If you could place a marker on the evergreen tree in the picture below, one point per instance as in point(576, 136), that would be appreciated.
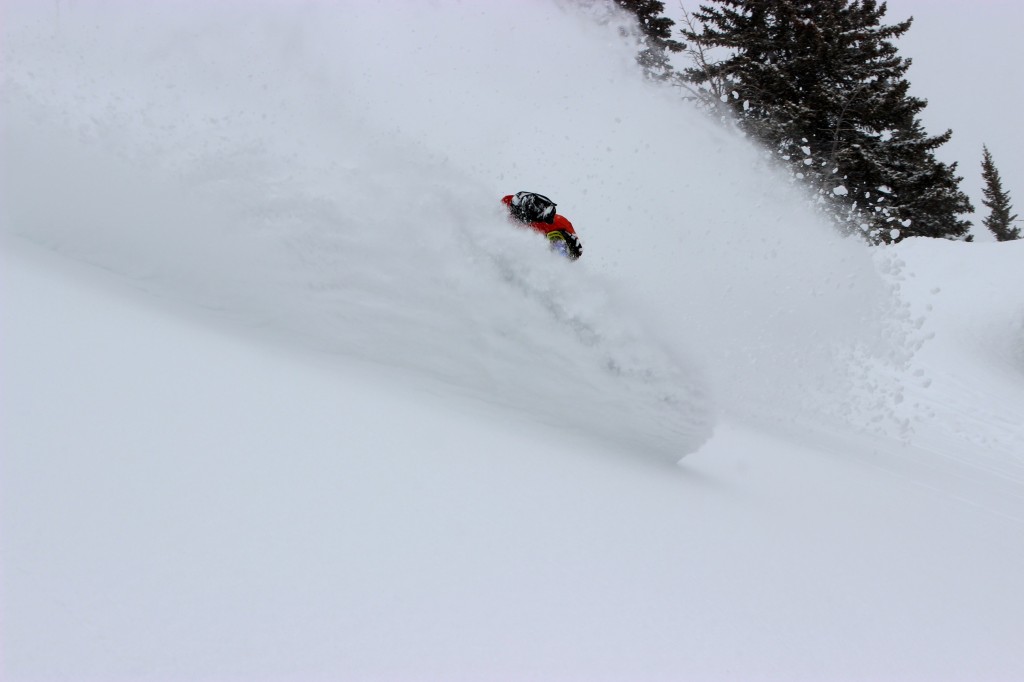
point(1000, 220)
point(658, 42)
point(820, 83)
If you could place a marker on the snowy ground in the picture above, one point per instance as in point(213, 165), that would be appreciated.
point(285, 398)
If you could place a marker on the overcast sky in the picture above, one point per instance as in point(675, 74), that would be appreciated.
point(968, 56)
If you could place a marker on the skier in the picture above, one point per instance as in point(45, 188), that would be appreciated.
point(538, 212)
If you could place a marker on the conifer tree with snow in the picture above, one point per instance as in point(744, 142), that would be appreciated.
point(657, 32)
point(820, 83)
point(1001, 217)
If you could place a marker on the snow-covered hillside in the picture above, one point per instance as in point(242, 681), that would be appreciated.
point(285, 397)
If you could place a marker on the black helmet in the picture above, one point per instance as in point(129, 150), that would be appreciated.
point(531, 207)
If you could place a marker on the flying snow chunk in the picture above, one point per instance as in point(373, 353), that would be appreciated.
point(840, 191)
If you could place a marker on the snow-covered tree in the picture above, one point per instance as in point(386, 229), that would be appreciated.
point(657, 40)
point(1001, 217)
point(820, 83)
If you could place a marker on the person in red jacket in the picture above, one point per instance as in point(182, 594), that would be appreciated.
point(538, 212)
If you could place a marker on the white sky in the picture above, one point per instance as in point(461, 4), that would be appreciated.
point(967, 60)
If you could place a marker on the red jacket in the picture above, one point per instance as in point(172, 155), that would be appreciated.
point(560, 223)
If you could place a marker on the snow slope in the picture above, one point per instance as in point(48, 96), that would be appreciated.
point(285, 398)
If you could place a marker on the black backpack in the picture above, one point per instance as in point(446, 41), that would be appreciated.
point(531, 207)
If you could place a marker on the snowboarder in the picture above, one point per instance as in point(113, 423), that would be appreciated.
point(538, 212)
